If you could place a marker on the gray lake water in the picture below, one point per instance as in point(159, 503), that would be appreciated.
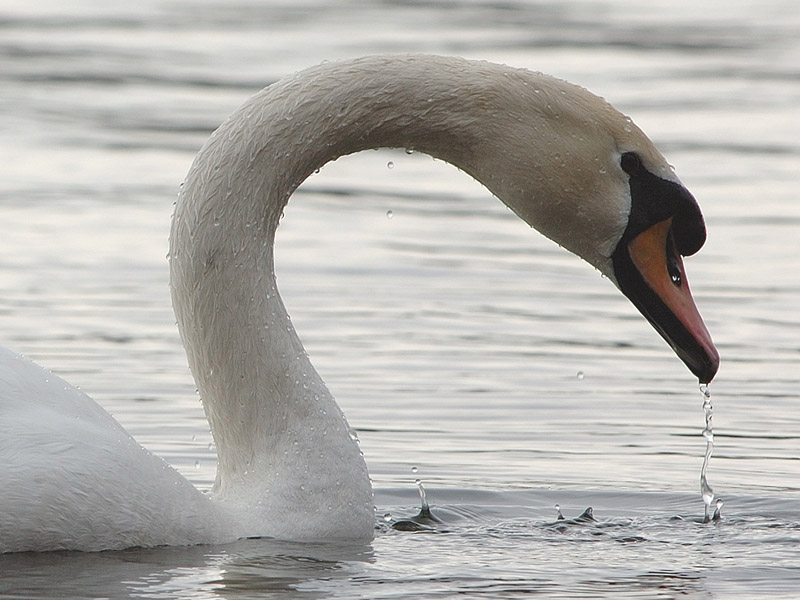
point(467, 350)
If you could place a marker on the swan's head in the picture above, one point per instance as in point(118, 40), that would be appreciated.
point(583, 174)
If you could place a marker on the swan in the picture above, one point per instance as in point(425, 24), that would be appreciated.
point(289, 465)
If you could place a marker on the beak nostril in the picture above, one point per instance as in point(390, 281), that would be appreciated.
point(650, 272)
point(675, 274)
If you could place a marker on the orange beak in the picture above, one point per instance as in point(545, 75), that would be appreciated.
point(660, 290)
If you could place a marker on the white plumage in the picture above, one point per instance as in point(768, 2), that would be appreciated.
point(71, 477)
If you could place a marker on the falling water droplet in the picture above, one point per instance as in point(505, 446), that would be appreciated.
point(197, 464)
point(580, 375)
point(387, 517)
point(390, 165)
point(559, 514)
point(389, 214)
point(706, 490)
point(414, 469)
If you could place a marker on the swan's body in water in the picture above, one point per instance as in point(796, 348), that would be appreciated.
point(561, 158)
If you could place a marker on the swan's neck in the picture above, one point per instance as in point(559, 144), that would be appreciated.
point(272, 418)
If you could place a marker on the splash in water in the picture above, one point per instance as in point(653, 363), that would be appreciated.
point(708, 433)
point(425, 520)
point(425, 509)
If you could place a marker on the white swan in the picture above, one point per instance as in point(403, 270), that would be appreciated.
point(563, 159)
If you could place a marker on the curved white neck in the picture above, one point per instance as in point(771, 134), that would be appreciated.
point(270, 413)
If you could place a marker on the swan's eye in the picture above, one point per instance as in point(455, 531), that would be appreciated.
point(630, 163)
point(674, 270)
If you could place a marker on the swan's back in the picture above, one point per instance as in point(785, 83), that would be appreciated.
point(72, 477)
